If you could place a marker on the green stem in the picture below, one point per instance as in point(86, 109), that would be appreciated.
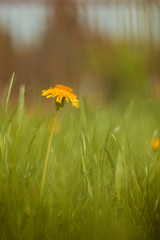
point(47, 154)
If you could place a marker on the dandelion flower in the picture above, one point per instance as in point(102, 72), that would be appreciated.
point(155, 143)
point(63, 94)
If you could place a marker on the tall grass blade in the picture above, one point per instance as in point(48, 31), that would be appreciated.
point(11, 116)
point(105, 145)
point(20, 112)
point(89, 188)
point(9, 92)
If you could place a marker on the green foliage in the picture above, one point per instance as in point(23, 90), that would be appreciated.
point(103, 177)
point(121, 68)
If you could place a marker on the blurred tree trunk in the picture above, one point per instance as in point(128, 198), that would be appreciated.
point(62, 44)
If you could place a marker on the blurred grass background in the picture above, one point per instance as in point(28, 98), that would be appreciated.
point(102, 177)
point(103, 173)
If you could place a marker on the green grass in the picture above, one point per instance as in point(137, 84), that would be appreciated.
point(103, 177)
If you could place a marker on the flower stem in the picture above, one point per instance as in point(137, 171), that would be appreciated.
point(47, 154)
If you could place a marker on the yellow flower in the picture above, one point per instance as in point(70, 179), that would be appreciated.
point(155, 143)
point(63, 94)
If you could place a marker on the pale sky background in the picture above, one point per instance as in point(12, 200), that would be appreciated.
point(27, 22)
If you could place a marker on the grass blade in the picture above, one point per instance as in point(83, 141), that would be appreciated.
point(9, 92)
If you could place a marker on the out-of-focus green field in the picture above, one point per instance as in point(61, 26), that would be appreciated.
point(103, 176)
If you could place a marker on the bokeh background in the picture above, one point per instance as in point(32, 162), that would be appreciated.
point(104, 49)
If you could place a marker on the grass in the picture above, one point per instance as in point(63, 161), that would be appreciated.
point(103, 177)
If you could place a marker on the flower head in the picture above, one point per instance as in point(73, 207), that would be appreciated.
point(63, 94)
point(155, 143)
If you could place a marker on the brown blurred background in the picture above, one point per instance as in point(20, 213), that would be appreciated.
point(103, 49)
